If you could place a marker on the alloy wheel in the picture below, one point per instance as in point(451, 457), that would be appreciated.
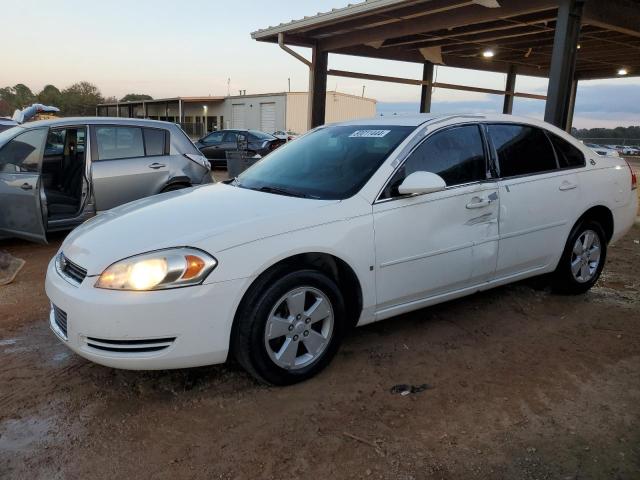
point(299, 328)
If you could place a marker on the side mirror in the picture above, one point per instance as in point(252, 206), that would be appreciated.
point(242, 141)
point(422, 182)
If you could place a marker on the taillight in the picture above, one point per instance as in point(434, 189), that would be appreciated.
point(634, 177)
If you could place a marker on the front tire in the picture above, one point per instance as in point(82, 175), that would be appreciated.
point(289, 326)
point(582, 260)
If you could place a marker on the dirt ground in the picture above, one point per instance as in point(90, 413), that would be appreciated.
point(521, 384)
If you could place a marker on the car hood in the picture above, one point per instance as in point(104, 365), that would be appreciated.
point(223, 215)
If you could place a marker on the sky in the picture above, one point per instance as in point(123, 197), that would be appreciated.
point(203, 47)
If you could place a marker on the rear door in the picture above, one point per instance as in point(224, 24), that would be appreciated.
point(20, 162)
point(229, 142)
point(539, 200)
point(128, 163)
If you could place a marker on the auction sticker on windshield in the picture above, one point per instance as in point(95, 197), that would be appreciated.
point(369, 133)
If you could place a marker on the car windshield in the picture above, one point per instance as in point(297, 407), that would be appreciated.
point(261, 135)
point(331, 163)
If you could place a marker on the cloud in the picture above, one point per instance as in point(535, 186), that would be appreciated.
point(604, 105)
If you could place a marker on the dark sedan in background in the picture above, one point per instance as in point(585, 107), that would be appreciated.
point(215, 145)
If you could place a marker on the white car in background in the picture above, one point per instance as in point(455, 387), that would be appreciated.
point(628, 150)
point(602, 150)
point(350, 224)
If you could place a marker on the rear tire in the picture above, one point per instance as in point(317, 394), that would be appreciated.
point(289, 326)
point(583, 259)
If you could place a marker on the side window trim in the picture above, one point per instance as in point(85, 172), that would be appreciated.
point(494, 151)
point(553, 147)
point(417, 145)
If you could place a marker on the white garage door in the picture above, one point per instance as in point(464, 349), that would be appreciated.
point(237, 115)
point(268, 117)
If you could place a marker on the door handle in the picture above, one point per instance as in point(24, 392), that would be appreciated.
point(26, 186)
point(157, 165)
point(479, 203)
point(567, 186)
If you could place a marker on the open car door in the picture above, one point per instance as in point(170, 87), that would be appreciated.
point(20, 206)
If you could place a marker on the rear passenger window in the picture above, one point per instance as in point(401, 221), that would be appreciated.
point(522, 150)
point(154, 141)
point(119, 142)
point(568, 155)
point(456, 154)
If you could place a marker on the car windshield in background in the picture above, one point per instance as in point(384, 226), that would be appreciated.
point(261, 135)
point(331, 163)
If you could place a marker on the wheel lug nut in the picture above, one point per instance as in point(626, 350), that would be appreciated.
point(290, 327)
point(306, 333)
point(295, 338)
point(308, 320)
point(298, 317)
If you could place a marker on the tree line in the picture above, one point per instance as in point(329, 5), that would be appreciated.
point(613, 133)
point(79, 99)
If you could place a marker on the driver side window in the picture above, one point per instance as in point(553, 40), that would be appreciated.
point(456, 154)
point(23, 153)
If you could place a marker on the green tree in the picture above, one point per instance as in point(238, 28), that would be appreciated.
point(24, 96)
point(18, 96)
point(81, 99)
point(135, 97)
point(5, 108)
point(50, 95)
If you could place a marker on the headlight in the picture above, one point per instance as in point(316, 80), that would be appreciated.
point(159, 270)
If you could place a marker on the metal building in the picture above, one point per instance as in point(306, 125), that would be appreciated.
point(564, 40)
point(267, 112)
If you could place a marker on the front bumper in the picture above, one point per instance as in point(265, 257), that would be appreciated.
point(184, 327)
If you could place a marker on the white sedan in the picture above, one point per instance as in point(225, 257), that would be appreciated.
point(350, 224)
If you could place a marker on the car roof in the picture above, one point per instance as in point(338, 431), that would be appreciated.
point(414, 120)
point(96, 121)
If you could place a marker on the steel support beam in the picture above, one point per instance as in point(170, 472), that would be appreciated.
point(572, 106)
point(317, 87)
point(510, 89)
point(563, 62)
point(411, 81)
point(427, 88)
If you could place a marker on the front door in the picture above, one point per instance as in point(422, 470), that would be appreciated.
point(211, 146)
point(20, 162)
point(122, 170)
point(434, 244)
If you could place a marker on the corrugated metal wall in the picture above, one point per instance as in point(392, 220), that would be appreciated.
point(340, 107)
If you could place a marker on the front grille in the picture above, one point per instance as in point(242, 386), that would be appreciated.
point(130, 346)
point(70, 270)
point(60, 319)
